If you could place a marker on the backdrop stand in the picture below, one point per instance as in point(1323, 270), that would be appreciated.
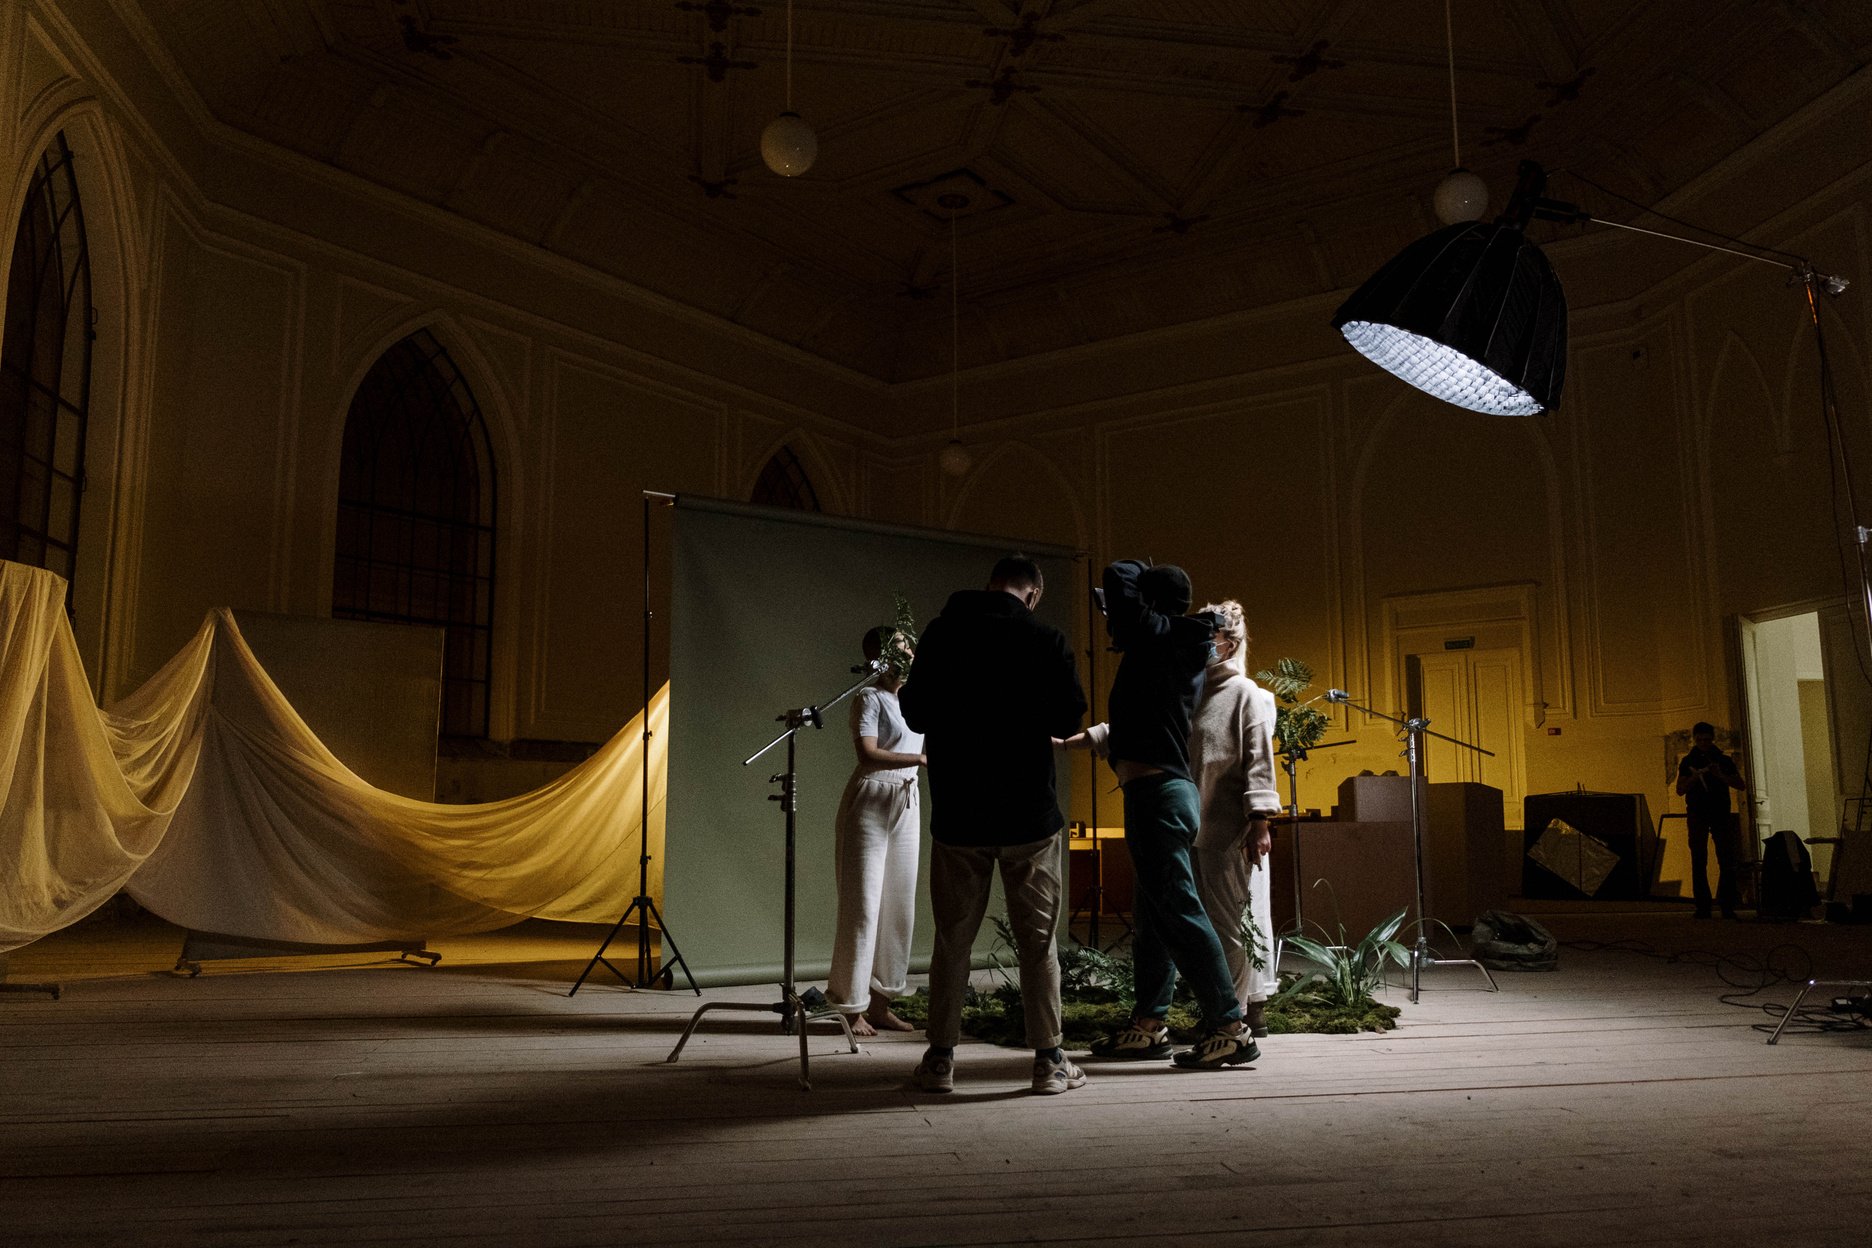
point(793, 1010)
point(52, 990)
point(1416, 729)
point(642, 905)
point(199, 947)
point(1092, 902)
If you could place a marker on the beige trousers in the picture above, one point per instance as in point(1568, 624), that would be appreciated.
point(1032, 878)
point(1228, 886)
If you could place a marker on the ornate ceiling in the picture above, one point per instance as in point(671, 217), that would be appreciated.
point(1126, 164)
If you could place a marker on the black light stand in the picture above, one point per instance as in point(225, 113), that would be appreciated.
point(1416, 729)
point(1092, 901)
point(1290, 761)
point(794, 1012)
point(641, 905)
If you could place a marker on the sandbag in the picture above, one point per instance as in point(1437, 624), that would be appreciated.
point(1503, 941)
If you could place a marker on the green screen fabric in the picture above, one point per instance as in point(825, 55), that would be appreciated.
point(768, 611)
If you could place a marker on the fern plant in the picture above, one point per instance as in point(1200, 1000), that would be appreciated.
point(1297, 726)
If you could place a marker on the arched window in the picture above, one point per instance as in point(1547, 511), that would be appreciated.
point(45, 371)
point(784, 483)
point(416, 516)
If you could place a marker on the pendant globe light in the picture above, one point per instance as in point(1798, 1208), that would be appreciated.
point(788, 145)
point(954, 459)
point(1461, 196)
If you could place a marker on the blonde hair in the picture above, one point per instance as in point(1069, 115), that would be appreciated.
point(1235, 628)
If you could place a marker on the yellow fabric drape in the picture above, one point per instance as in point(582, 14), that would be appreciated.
point(207, 797)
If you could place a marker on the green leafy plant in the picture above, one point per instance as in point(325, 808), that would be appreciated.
point(898, 653)
point(1297, 726)
point(1096, 990)
point(1349, 973)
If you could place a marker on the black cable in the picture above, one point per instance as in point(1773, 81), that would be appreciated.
point(1747, 976)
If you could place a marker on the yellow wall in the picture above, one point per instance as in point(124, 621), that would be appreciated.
point(245, 292)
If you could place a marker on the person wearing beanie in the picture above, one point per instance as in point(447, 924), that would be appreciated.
point(1153, 696)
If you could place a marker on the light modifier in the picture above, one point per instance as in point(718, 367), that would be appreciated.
point(1471, 314)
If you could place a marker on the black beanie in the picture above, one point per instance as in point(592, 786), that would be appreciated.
point(1165, 587)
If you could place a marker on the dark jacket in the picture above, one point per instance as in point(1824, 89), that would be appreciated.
point(989, 690)
point(1160, 677)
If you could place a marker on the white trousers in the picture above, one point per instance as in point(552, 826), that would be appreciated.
point(1227, 886)
point(875, 861)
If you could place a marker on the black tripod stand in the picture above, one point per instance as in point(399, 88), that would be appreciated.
point(1290, 761)
point(1416, 729)
point(641, 905)
point(1092, 901)
point(794, 1012)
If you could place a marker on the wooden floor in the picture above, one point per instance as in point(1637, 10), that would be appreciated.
point(1615, 1101)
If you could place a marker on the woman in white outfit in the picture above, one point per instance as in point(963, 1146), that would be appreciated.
point(1232, 761)
point(876, 853)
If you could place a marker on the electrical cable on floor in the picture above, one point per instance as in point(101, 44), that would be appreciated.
point(1747, 975)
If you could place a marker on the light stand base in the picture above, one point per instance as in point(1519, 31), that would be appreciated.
point(1422, 955)
point(1092, 905)
point(646, 911)
point(794, 1018)
point(1809, 986)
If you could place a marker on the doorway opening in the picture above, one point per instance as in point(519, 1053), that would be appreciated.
point(1793, 748)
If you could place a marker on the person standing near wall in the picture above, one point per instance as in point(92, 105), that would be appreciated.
point(876, 849)
point(1704, 779)
point(990, 689)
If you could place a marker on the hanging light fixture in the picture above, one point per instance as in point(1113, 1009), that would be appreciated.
point(954, 460)
point(788, 145)
point(1471, 314)
point(1474, 315)
point(1462, 196)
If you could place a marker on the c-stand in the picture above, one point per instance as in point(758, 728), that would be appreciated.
point(1415, 730)
point(1290, 761)
point(794, 1012)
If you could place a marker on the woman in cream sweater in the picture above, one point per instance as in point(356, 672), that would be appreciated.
point(1232, 761)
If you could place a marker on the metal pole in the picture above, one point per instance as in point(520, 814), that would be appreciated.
point(643, 787)
point(1098, 853)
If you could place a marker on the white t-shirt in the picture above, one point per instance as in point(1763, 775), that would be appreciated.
point(875, 713)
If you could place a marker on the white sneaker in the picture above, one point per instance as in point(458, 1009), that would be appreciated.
point(1051, 1077)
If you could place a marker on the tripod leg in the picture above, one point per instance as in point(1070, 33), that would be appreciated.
point(598, 957)
point(676, 959)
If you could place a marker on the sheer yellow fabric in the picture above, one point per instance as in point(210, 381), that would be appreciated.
point(207, 797)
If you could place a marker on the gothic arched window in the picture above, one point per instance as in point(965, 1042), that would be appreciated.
point(45, 371)
point(416, 516)
point(784, 483)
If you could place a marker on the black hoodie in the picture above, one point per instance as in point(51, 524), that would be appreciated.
point(1160, 677)
point(989, 690)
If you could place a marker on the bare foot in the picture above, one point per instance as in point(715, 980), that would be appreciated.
point(859, 1026)
point(881, 1017)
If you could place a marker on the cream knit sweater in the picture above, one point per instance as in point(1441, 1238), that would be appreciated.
point(1232, 750)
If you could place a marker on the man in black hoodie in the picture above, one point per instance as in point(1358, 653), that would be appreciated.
point(989, 690)
point(1158, 683)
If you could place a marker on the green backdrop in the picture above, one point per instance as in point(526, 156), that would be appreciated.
point(768, 608)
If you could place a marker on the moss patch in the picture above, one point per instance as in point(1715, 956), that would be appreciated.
point(996, 1017)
